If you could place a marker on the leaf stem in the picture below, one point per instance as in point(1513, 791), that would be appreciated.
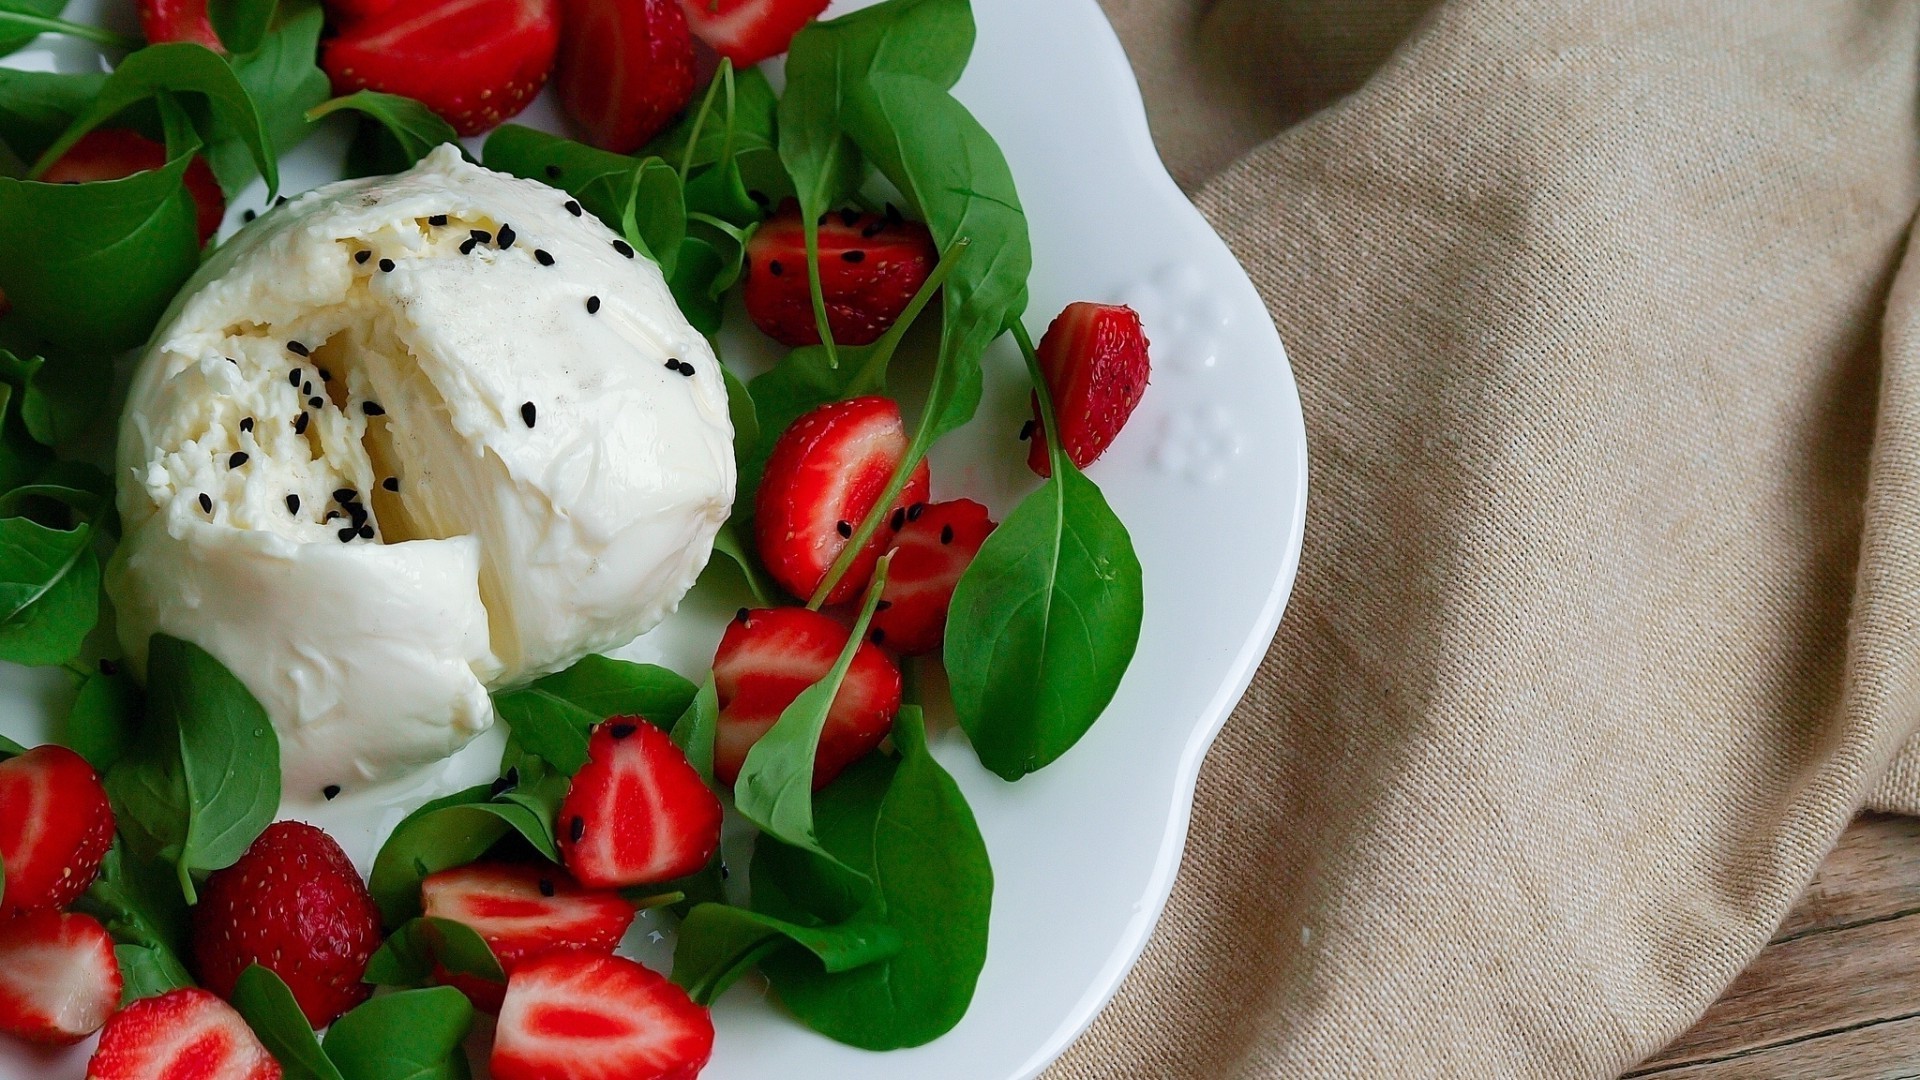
point(1049, 424)
point(46, 25)
point(700, 119)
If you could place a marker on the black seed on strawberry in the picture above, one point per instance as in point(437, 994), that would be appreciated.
point(899, 518)
point(877, 636)
point(849, 218)
point(854, 256)
point(546, 886)
point(622, 731)
point(844, 528)
point(873, 230)
point(773, 267)
point(741, 616)
point(577, 828)
point(946, 534)
point(686, 368)
point(882, 605)
point(914, 511)
point(317, 402)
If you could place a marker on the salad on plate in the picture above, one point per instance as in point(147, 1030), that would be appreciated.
point(305, 510)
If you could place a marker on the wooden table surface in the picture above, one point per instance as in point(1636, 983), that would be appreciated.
point(1836, 995)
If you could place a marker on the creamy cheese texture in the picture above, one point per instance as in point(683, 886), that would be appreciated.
point(409, 439)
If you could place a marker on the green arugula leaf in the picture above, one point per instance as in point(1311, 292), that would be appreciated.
point(547, 725)
point(104, 720)
point(139, 903)
point(718, 944)
point(270, 1010)
point(694, 732)
point(23, 20)
point(746, 127)
point(285, 82)
point(407, 131)
point(241, 24)
point(205, 779)
point(607, 687)
point(456, 830)
point(49, 591)
point(36, 106)
point(911, 831)
point(408, 956)
point(411, 1035)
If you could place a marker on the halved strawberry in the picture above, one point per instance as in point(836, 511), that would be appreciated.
point(55, 827)
point(749, 31)
point(637, 811)
point(583, 1016)
point(295, 905)
point(182, 1033)
point(178, 20)
point(767, 657)
point(1094, 358)
point(825, 472)
point(112, 153)
point(626, 69)
point(475, 62)
point(930, 553)
point(870, 267)
point(523, 911)
point(59, 980)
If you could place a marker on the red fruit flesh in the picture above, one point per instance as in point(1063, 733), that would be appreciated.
point(870, 267)
point(637, 813)
point(1094, 358)
point(930, 552)
point(826, 471)
point(178, 20)
point(581, 1016)
point(59, 980)
point(767, 657)
point(113, 153)
point(186, 1034)
point(295, 905)
point(626, 69)
point(475, 62)
point(55, 827)
point(523, 911)
point(749, 31)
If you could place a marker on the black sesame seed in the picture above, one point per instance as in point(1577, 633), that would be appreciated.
point(593, 305)
point(480, 235)
point(386, 266)
point(317, 402)
point(108, 667)
point(293, 377)
point(844, 528)
point(1026, 431)
point(297, 349)
point(246, 424)
point(373, 408)
point(437, 220)
point(882, 606)
point(467, 245)
point(622, 731)
point(546, 887)
point(506, 237)
point(236, 459)
point(877, 636)
point(742, 615)
point(330, 792)
point(206, 503)
point(686, 368)
point(946, 534)
point(623, 248)
point(281, 201)
point(849, 217)
point(576, 828)
point(540, 256)
point(248, 217)
point(673, 363)
point(357, 514)
point(899, 518)
point(573, 207)
point(391, 483)
point(325, 375)
point(873, 230)
point(774, 268)
point(293, 504)
point(366, 532)
point(854, 256)
point(362, 256)
point(307, 387)
point(231, 360)
point(332, 516)
point(914, 511)
point(553, 172)
point(300, 424)
point(347, 534)
point(527, 413)
point(759, 196)
point(345, 495)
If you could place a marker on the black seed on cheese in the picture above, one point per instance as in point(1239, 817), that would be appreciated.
point(236, 459)
point(293, 504)
point(362, 256)
point(246, 424)
point(330, 792)
point(391, 483)
point(373, 408)
point(298, 349)
point(623, 248)
point(386, 266)
point(437, 220)
point(573, 207)
point(527, 413)
point(206, 502)
point(593, 305)
point(506, 237)
point(540, 256)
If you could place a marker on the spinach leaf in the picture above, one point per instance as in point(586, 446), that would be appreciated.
point(607, 687)
point(270, 1010)
point(104, 720)
point(23, 20)
point(775, 786)
point(285, 83)
point(139, 903)
point(241, 24)
point(49, 591)
point(694, 732)
point(411, 1035)
point(717, 944)
point(450, 831)
point(411, 130)
point(36, 106)
point(547, 725)
point(407, 958)
point(933, 885)
point(205, 779)
point(1045, 620)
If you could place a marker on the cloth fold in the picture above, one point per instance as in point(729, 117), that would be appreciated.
point(1609, 614)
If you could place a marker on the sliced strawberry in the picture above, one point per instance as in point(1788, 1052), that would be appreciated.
point(475, 62)
point(626, 69)
point(825, 472)
point(749, 31)
point(111, 153)
point(930, 553)
point(523, 911)
point(767, 657)
point(55, 827)
point(59, 980)
point(583, 1016)
point(870, 267)
point(637, 812)
point(178, 20)
point(295, 905)
point(1094, 358)
point(187, 1033)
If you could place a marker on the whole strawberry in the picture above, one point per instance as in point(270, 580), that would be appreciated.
point(55, 827)
point(295, 905)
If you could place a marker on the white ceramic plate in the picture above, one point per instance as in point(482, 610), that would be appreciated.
point(1209, 476)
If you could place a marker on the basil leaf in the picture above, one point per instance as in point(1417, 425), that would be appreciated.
point(49, 591)
point(717, 944)
point(205, 779)
point(103, 722)
point(456, 830)
point(547, 725)
point(607, 687)
point(408, 957)
point(921, 847)
point(285, 82)
point(241, 24)
point(411, 1035)
point(267, 1005)
point(36, 106)
point(697, 727)
point(139, 903)
point(411, 128)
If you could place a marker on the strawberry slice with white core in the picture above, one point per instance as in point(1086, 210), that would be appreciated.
point(59, 980)
point(767, 657)
point(475, 62)
point(186, 1034)
point(55, 827)
point(582, 1016)
point(637, 812)
point(825, 473)
point(749, 31)
point(932, 550)
point(523, 911)
point(1094, 358)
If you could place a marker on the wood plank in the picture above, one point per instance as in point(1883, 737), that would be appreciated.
point(1888, 1051)
point(1873, 873)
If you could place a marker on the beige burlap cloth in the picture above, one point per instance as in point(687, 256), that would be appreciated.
point(1609, 617)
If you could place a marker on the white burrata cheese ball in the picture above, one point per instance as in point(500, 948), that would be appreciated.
point(409, 439)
